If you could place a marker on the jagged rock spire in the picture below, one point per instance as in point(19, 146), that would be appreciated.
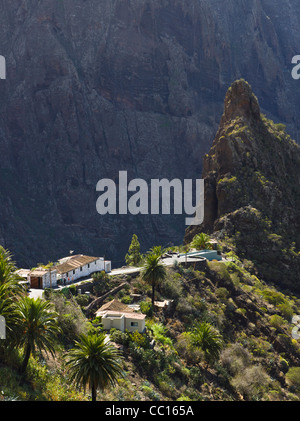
point(240, 101)
point(252, 188)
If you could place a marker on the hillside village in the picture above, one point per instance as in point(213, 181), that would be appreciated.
point(111, 113)
point(216, 318)
point(80, 271)
point(253, 325)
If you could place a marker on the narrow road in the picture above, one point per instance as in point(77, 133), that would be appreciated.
point(169, 261)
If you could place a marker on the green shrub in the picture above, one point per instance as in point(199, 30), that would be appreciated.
point(220, 270)
point(286, 310)
point(197, 377)
point(119, 337)
point(139, 339)
point(281, 127)
point(284, 365)
point(222, 293)
point(101, 283)
point(277, 321)
point(149, 392)
point(293, 378)
point(82, 300)
point(172, 288)
point(146, 308)
point(165, 384)
point(70, 317)
point(285, 340)
point(241, 311)
point(273, 297)
point(159, 332)
point(126, 299)
point(73, 290)
point(187, 351)
point(96, 321)
point(150, 361)
point(100, 276)
point(235, 359)
point(235, 279)
point(261, 347)
point(252, 383)
point(184, 309)
point(183, 398)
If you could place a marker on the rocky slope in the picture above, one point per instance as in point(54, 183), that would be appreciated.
point(259, 359)
point(96, 86)
point(252, 188)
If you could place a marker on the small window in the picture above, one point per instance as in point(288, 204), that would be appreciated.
point(73, 272)
point(88, 265)
point(80, 268)
point(134, 324)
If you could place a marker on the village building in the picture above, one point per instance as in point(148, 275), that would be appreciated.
point(40, 278)
point(71, 268)
point(207, 254)
point(23, 273)
point(162, 304)
point(66, 271)
point(119, 316)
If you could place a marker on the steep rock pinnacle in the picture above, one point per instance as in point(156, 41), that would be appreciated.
point(240, 101)
point(252, 188)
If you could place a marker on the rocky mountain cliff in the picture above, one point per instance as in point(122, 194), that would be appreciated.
point(252, 189)
point(95, 86)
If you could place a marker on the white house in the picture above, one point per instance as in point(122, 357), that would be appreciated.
point(42, 278)
point(119, 316)
point(124, 321)
point(71, 268)
point(23, 273)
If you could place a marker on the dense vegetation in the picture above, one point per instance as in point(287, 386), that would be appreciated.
point(226, 335)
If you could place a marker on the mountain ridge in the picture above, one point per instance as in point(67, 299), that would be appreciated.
point(96, 87)
point(252, 193)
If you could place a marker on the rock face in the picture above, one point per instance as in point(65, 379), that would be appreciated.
point(94, 87)
point(252, 188)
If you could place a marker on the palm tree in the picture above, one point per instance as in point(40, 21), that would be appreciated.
point(10, 291)
point(208, 339)
point(157, 250)
point(201, 241)
point(7, 310)
point(37, 327)
point(94, 363)
point(153, 272)
point(8, 275)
